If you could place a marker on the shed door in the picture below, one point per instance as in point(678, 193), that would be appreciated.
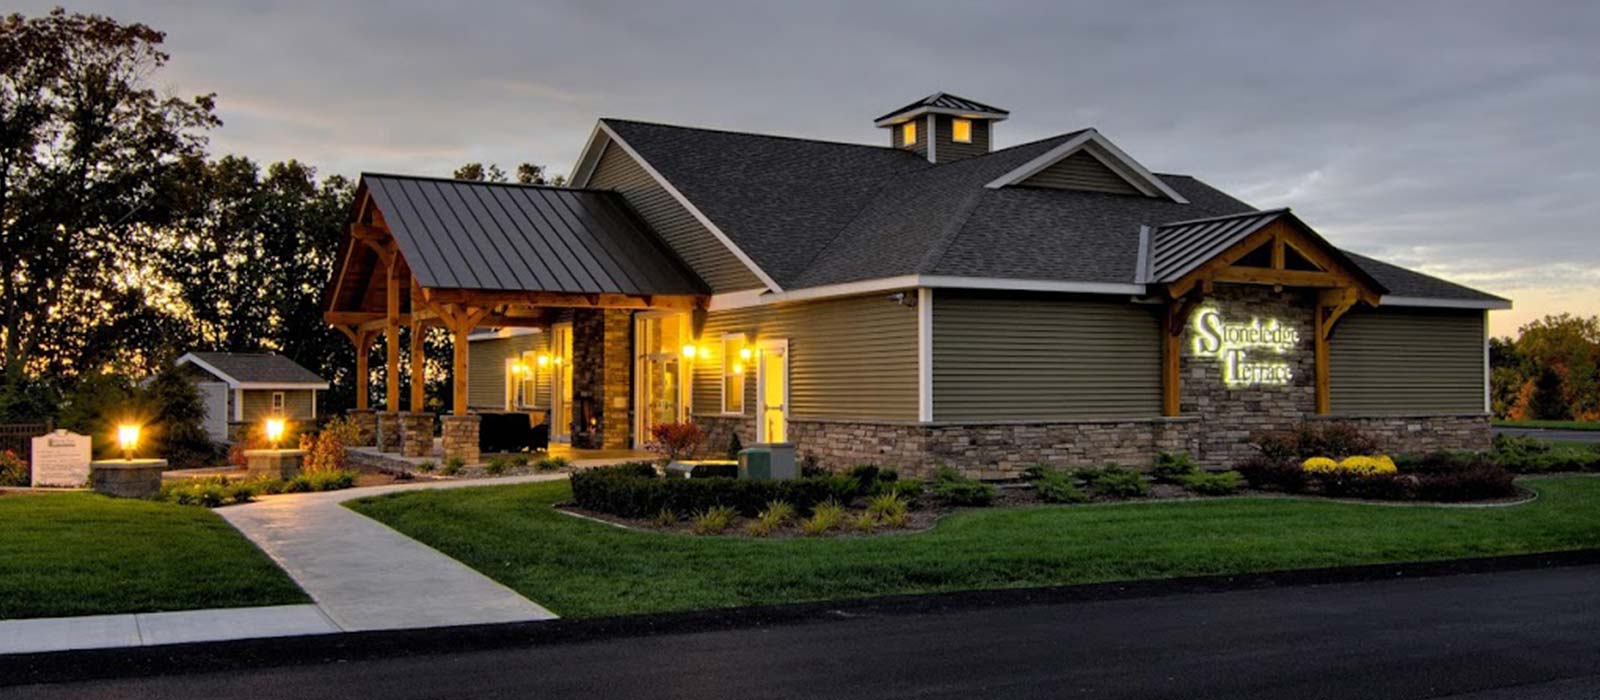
point(214, 396)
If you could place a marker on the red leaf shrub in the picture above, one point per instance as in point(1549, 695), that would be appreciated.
point(676, 440)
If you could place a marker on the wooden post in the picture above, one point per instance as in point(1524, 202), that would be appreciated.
point(1332, 304)
point(363, 341)
point(1172, 323)
point(1324, 404)
point(458, 378)
point(419, 359)
point(391, 324)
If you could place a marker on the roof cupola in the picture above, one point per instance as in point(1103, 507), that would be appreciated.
point(943, 127)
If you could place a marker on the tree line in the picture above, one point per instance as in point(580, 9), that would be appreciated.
point(1550, 371)
point(126, 243)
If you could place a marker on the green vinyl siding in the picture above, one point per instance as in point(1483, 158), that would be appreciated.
point(1081, 171)
point(702, 251)
point(1010, 357)
point(1406, 361)
point(258, 404)
point(852, 358)
point(948, 149)
point(486, 369)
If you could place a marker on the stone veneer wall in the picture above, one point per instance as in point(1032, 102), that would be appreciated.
point(1216, 427)
point(602, 373)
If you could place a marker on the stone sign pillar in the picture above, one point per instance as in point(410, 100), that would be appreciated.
point(416, 434)
point(60, 458)
point(366, 422)
point(389, 431)
point(460, 437)
point(127, 478)
point(274, 463)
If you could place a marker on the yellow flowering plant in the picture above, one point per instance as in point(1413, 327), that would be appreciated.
point(1356, 464)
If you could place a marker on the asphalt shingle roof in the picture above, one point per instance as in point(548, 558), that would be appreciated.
point(813, 213)
point(259, 368)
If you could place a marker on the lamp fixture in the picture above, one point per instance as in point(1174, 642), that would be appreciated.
point(689, 351)
point(128, 439)
point(274, 429)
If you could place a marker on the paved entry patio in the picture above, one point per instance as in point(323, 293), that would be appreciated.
point(364, 576)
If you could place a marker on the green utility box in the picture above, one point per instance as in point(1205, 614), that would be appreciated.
point(768, 462)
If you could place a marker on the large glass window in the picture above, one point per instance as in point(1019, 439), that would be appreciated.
point(735, 359)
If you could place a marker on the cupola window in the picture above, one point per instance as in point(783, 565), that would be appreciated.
point(908, 133)
point(961, 130)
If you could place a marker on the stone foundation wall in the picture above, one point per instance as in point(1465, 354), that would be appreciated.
point(459, 435)
point(720, 429)
point(602, 377)
point(1401, 434)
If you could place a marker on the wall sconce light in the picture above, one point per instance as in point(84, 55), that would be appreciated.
point(705, 353)
point(689, 351)
point(544, 360)
point(274, 429)
point(745, 353)
point(556, 359)
point(127, 439)
point(738, 368)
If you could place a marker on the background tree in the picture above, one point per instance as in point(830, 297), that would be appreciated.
point(527, 174)
point(175, 418)
point(89, 156)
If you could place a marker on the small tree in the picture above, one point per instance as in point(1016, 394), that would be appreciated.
point(178, 415)
point(676, 440)
point(1548, 401)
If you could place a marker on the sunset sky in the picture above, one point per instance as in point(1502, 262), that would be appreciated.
point(1455, 138)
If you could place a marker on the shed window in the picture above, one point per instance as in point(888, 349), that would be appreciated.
point(908, 133)
point(961, 131)
point(735, 354)
point(277, 403)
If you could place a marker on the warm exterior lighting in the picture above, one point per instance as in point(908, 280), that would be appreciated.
point(127, 439)
point(961, 130)
point(738, 368)
point(746, 353)
point(544, 360)
point(908, 133)
point(274, 430)
point(705, 353)
point(689, 351)
point(557, 359)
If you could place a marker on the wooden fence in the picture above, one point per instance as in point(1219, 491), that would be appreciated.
point(18, 437)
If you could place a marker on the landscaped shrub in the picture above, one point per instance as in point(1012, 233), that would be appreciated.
point(1336, 440)
point(950, 488)
point(518, 460)
point(777, 514)
point(888, 506)
point(177, 427)
point(825, 517)
point(665, 518)
point(551, 464)
point(635, 491)
point(1114, 482)
point(496, 466)
point(1056, 486)
point(1270, 473)
point(908, 490)
point(1369, 486)
point(427, 466)
point(1171, 468)
point(1475, 482)
point(325, 451)
point(1525, 455)
point(713, 520)
point(14, 471)
point(734, 446)
point(676, 440)
point(209, 492)
point(1356, 464)
point(864, 522)
point(453, 466)
point(1213, 483)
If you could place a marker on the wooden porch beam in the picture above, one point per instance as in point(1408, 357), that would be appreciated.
point(391, 328)
point(419, 357)
point(1287, 278)
point(362, 340)
point(1174, 319)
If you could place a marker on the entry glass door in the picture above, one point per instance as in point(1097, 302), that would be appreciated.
point(561, 382)
point(773, 392)
point(661, 340)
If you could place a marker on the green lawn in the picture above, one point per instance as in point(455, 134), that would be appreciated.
point(583, 569)
point(84, 554)
point(1549, 424)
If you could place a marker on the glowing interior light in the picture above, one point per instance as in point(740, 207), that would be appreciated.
point(127, 439)
point(274, 429)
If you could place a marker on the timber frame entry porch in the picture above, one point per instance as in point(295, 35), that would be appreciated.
point(1187, 259)
point(460, 255)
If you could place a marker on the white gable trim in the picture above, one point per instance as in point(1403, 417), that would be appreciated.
point(584, 167)
point(612, 137)
point(189, 358)
point(1103, 150)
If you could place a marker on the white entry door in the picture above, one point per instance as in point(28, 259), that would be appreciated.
point(214, 396)
point(772, 392)
point(561, 382)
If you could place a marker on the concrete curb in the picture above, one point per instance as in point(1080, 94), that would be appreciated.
point(208, 657)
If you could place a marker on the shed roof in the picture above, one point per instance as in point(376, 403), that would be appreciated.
point(458, 234)
point(246, 368)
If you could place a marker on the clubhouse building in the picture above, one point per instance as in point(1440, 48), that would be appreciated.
point(935, 300)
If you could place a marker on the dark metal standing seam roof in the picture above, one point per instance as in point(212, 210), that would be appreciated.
point(458, 234)
point(946, 100)
point(1179, 247)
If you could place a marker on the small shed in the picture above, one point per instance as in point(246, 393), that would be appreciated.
point(241, 388)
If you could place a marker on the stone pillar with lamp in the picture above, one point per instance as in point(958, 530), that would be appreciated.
point(129, 477)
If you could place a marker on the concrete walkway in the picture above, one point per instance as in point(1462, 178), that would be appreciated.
point(365, 576)
point(148, 629)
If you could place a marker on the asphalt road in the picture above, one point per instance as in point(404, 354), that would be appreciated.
point(1520, 634)
point(1543, 434)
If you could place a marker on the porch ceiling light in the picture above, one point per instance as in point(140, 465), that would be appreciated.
point(128, 439)
point(689, 351)
point(544, 360)
point(745, 353)
point(274, 429)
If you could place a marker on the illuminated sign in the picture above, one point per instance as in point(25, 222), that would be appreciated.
point(1240, 348)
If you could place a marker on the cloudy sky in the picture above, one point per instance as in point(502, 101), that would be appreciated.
point(1454, 137)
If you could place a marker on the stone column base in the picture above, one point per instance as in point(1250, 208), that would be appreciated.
point(127, 478)
point(460, 437)
point(389, 431)
point(366, 422)
point(416, 434)
point(274, 464)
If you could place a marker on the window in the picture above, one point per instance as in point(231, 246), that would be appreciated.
point(531, 368)
point(962, 130)
point(735, 357)
point(908, 133)
point(277, 403)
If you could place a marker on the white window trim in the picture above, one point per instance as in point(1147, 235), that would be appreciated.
point(924, 354)
point(722, 380)
point(279, 405)
point(685, 372)
point(761, 387)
